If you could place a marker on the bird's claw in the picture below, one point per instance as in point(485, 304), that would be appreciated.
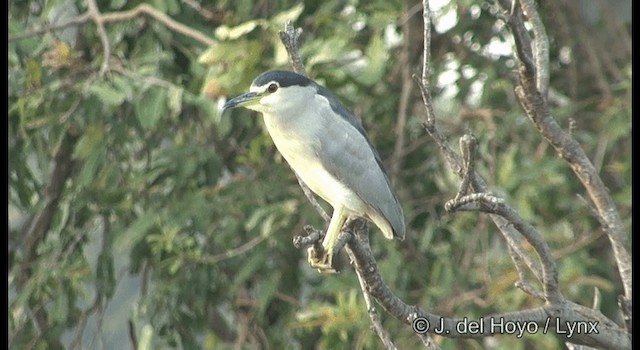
point(324, 262)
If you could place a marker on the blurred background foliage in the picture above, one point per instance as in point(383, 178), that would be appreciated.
point(139, 214)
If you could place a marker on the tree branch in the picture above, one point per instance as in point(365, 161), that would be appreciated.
point(540, 47)
point(111, 17)
point(94, 13)
point(371, 309)
point(403, 105)
point(535, 105)
point(35, 229)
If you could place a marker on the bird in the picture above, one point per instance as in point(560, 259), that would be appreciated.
point(329, 150)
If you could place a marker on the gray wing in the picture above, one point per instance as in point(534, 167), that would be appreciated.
point(347, 153)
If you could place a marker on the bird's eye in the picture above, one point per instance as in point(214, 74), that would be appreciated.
point(273, 87)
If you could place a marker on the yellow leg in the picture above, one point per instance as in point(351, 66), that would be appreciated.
point(324, 263)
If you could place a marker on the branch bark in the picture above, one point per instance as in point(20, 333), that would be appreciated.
point(36, 228)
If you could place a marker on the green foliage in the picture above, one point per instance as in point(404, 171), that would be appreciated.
point(175, 222)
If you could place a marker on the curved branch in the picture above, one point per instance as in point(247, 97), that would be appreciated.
point(549, 318)
point(111, 17)
point(94, 13)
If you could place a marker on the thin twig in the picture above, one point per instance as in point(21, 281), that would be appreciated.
point(214, 259)
point(131, 328)
point(515, 245)
point(372, 312)
point(210, 15)
point(94, 13)
point(426, 49)
point(540, 46)
point(522, 280)
point(142, 78)
point(312, 199)
point(403, 104)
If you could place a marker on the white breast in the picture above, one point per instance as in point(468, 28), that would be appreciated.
point(297, 141)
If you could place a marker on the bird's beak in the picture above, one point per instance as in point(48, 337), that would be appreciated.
point(243, 100)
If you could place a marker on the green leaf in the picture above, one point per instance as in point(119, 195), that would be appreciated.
point(91, 140)
point(125, 85)
point(377, 57)
point(151, 106)
point(90, 168)
point(323, 51)
point(230, 52)
point(107, 94)
point(33, 71)
point(175, 100)
point(136, 230)
point(266, 290)
point(249, 268)
point(231, 33)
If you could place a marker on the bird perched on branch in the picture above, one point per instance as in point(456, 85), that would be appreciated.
point(330, 152)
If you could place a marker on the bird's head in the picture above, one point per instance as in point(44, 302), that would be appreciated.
point(274, 92)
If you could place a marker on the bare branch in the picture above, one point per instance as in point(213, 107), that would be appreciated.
point(468, 145)
point(426, 51)
point(141, 78)
point(540, 46)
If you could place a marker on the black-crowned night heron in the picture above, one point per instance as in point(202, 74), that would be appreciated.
point(329, 150)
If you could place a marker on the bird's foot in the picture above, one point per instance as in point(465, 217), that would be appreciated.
point(323, 261)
